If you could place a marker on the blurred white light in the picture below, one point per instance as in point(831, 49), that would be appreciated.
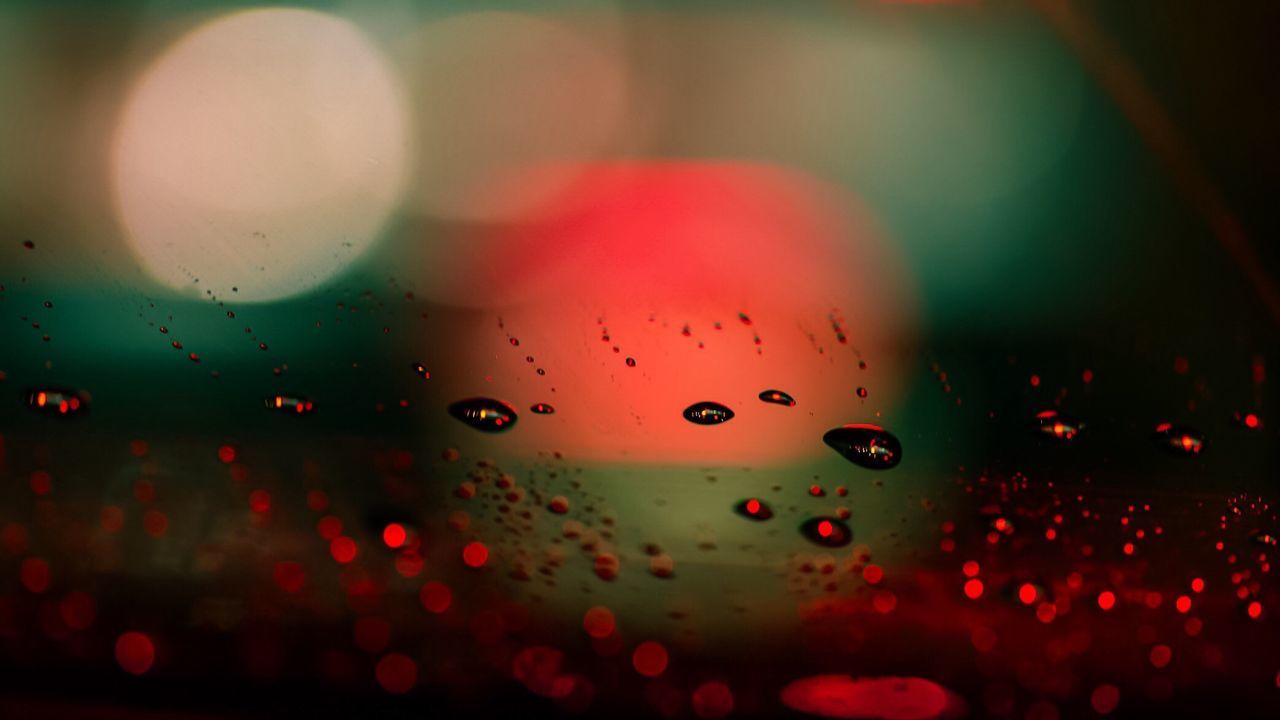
point(260, 154)
point(496, 93)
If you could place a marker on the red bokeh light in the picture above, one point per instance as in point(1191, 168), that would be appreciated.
point(397, 673)
point(135, 652)
point(649, 659)
point(435, 597)
point(475, 554)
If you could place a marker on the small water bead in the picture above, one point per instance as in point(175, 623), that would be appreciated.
point(57, 402)
point(542, 409)
point(754, 509)
point(631, 362)
point(1179, 439)
point(777, 397)
point(290, 404)
point(28, 245)
point(1053, 424)
point(868, 446)
point(262, 346)
point(421, 371)
point(1266, 539)
point(1248, 420)
point(827, 532)
point(48, 303)
point(708, 413)
point(484, 414)
point(862, 392)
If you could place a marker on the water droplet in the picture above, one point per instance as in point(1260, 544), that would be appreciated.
point(631, 362)
point(862, 392)
point(484, 414)
point(754, 508)
point(421, 371)
point(48, 303)
point(777, 397)
point(1053, 424)
point(28, 245)
point(868, 446)
point(707, 413)
point(1266, 539)
point(262, 346)
point(542, 409)
point(1179, 439)
point(827, 531)
point(290, 404)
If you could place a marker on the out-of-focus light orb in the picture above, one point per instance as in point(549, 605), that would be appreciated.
point(260, 154)
point(497, 92)
point(654, 286)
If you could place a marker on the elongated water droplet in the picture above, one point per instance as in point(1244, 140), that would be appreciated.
point(777, 397)
point(484, 414)
point(421, 371)
point(827, 531)
point(707, 413)
point(1179, 439)
point(868, 446)
point(754, 509)
point(542, 409)
point(1261, 537)
point(1052, 424)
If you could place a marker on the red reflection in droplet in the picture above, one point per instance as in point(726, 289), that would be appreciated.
point(1106, 599)
point(397, 673)
point(1105, 698)
point(435, 597)
point(840, 696)
point(649, 658)
point(35, 575)
point(394, 535)
point(973, 589)
point(135, 652)
point(475, 554)
point(598, 622)
point(343, 549)
point(289, 576)
point(78, 610)
point(712, 700)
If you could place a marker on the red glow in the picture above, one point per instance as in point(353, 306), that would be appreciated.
point(1183, 604)
point(35, 575)
point(289, 576)
point(1255, 610)
point(1106, 599)
point(1105, 698)
point(155, 523)
point(112, 519)
point(397, 673)
point(317, 500)
point(1035, 381)
point(1160, 655)
point(329, 527)
point(135, 653)
point(598, 622)
point(689, 243)
point(1251, 420)
point(41, 482)
point(436, 597)
point(872, 574)
point(227, 454)
point(712, 700)
point(973, 589)
point(825, 529)
point(753, 506)
point(475, 554)
point(371, 634)
point(343, 549)
point(260, 501)
point(78, 610)
point(1028, 593)
point(394, 535)
point(649, 659)
point(1197, 585)
point(840, 696)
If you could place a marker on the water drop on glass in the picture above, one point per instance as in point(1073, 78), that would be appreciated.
point(1052, 424)
point(868, 446)
point(542, 409)
point(707, 413)
point(1179, 439)
point(777, 397)
point(484, 414)
point(754, 509)
point(827, 531)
